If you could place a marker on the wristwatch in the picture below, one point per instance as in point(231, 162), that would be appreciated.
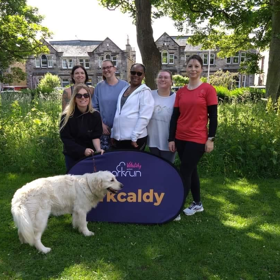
point(211, 139)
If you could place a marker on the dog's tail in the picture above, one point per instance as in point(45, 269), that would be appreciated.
point(23, 223)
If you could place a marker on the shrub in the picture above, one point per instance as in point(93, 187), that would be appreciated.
point(48, 83)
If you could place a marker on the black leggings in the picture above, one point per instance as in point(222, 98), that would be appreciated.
point(190, 153)
point(126, 144)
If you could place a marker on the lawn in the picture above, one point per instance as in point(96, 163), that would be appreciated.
point(236, 237)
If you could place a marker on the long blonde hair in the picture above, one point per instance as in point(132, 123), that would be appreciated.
point(70, 108)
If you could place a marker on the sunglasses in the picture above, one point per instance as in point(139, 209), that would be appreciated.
point(133, 73)
point(80, 96)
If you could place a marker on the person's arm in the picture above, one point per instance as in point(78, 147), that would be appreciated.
point(73, 149)
point(213, 123)
point(65, 98)
point(97, 132)
point(146, 109)
point(172, 129)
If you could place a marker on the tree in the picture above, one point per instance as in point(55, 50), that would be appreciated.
point(48, 83)
point(234, 25)
point(228, 26)
point(141, 12)
point(20, 35)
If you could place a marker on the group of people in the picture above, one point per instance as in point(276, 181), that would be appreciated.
point(121, 115)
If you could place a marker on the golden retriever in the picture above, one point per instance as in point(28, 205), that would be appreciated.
point(66, 194)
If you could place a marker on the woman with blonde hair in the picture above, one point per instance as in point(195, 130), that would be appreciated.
point(80, 127)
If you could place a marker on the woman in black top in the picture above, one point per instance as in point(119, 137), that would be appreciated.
point(80, 127)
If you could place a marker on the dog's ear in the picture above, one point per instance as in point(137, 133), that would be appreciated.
point(94, 181)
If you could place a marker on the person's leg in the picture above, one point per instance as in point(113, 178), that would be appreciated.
point(189, 154)
point(141, 142)
point(195, 186)
point(123, 145)
point(154, 151)
point(167, 155)
point(105, 142)
point(69, 162)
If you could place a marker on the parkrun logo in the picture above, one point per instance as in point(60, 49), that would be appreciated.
point(128, 169)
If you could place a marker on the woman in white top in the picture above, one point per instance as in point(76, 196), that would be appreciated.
point(158, 128)
point(134, 110)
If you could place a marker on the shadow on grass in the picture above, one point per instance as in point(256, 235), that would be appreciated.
point(237, 237)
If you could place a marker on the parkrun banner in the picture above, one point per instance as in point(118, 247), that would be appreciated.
point(153, 191)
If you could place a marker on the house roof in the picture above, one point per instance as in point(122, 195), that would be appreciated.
point(75, 47)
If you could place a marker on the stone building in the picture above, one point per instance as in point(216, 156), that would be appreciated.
point(64, 55)
point(175, 52)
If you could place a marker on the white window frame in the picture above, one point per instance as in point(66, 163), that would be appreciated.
point(242, 56)
point(84, 62)
point(50, 61)
point(171, 58)
point(187, 56)
point(45, 65)
point(205, 56)
point(67, 63)
point(212, 59)
point(114, 60)
point(164, 53)
point(101, 58)
point(37, 62)
point(243, 80)
point(64, 81)
point(108, 56)
point(228, 58)
point(236, 56)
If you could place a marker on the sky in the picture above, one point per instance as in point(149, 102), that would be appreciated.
point(87, 20)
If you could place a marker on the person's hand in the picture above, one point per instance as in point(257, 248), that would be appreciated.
point(209, 146)
point(134, 144)
point(172, 146)
point(101, 151)
point(88, 152)
point(106, 129)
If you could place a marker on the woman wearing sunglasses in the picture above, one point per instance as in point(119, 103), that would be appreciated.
point(135, 107)
point(80, 127)
point(78, 75)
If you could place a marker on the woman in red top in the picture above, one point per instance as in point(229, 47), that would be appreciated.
point(195, 105)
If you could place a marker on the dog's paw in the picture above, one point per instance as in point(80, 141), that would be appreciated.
point(45, 250)
point(88, 233)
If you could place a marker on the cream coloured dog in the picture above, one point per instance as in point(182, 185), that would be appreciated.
point(66, 194)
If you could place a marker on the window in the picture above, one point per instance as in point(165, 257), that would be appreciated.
point(44, 61)
point(164, 57)
point(243, 81)
point(50, 61)
point(235, 58)
point(114, 60)
point(101, 58)
point(67, 63)
point(171, 59)
point(84, 62)
point(242, 56)
point(37, 62)
point(205, 59)
point(228, 60)
point(65, 82)
point(187, 57)
point(212, 59)
point(107, 56)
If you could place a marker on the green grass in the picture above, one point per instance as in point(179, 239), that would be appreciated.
point(237, 237)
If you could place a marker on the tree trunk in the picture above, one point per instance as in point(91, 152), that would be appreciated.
point(273, 75)
point(150, 54)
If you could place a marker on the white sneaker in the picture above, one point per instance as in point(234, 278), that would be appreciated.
point(178, 218)
point(193, 209)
